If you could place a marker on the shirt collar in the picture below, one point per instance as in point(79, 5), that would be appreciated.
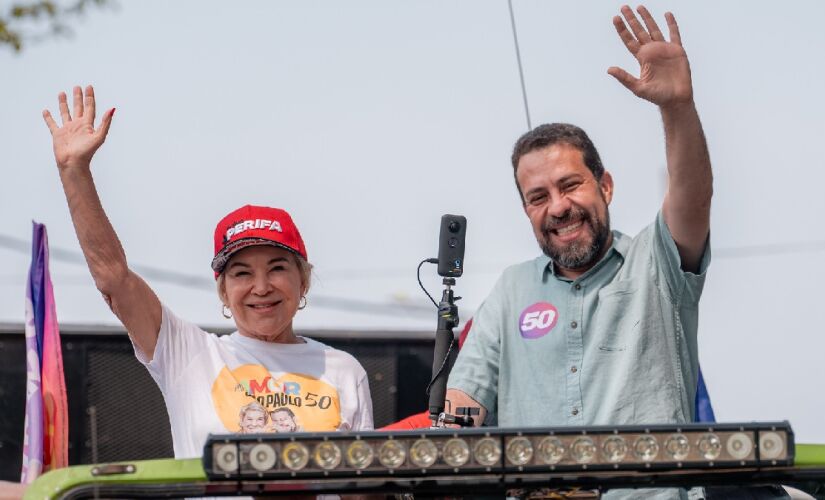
point(619, 247)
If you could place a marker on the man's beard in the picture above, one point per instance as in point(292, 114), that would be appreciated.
point(580, 253)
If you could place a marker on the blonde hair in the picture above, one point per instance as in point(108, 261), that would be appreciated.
point(254, 406)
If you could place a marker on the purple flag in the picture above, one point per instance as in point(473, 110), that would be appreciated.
point(45, 440)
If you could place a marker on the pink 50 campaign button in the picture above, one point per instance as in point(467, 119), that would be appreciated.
point(537, 320)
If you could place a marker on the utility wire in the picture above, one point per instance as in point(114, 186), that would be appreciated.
point(160, 275)
point(365, 307)
point(520, 70)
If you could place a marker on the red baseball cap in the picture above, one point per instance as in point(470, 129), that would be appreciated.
point(251, 225)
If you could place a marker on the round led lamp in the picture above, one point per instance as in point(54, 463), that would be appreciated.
point(583, 450)
point(550, 450)
point(677, 446)
point(771, 445)
point(739, 445)
point(646, 448)
point(423, 453)
point(295, 456)
point(519, 451)
point(262, 457)
point(614, 449)
point(709, 446)
point(487, 451)
point(327, 455)
point(456, 452)
point(359, 454)
point(226, 457)
point(392, 454)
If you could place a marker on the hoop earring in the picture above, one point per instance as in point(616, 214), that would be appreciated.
point(226, 312)
point(302, 303)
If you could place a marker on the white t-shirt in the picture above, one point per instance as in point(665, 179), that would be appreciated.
point(231, 383)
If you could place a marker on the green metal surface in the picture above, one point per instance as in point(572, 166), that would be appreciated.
point(55, 483)
point(810, 455)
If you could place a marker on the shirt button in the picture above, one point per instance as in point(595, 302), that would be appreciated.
point(577, 286)
point(573, 324)
point(573, 369)
point(575, 411)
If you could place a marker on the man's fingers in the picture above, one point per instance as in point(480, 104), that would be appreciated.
point(77, 101)
point(635, 25)
point(650, 23)
point(105, 123)
point(627, 37)
point(624, 78)
point(675, 37)
point(89, 104)
point(63, 105)
point(47, 117)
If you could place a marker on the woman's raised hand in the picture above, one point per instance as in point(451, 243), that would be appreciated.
point(77, 140)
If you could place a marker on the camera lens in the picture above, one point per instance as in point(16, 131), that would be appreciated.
point(454, 227)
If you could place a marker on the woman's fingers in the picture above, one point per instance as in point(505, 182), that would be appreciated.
point(89, 105)
point(77, 101)
point(47, 117)
point(63, 105)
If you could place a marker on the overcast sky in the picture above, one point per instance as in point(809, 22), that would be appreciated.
point(369, 120)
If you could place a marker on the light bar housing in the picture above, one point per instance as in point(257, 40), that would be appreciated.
point(420, 453)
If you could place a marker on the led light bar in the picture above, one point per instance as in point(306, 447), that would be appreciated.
point(498, 450)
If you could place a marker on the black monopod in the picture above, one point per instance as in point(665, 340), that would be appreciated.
point(450, 266)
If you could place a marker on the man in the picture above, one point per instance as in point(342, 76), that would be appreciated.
point(601, 329)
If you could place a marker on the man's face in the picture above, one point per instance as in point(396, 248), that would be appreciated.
point(283, 422)
point(566, 205)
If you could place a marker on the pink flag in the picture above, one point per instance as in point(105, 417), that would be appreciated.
point(45, 443)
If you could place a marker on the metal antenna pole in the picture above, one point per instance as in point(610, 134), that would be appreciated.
point(520, 70)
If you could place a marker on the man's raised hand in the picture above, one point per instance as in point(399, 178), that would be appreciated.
point(77, 140)
point(664, 71)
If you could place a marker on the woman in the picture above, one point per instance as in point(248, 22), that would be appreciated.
point(262, 277)
point(252, 418)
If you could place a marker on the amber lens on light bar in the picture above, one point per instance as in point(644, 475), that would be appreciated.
point(392, 454)
point(295, 456)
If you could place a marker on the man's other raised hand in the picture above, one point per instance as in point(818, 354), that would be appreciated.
point(664, 71)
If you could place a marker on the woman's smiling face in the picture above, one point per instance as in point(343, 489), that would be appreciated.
point(263, 287)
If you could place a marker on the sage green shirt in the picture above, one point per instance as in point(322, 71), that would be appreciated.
point(615, 346)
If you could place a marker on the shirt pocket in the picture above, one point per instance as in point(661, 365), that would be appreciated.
point(616, 317)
